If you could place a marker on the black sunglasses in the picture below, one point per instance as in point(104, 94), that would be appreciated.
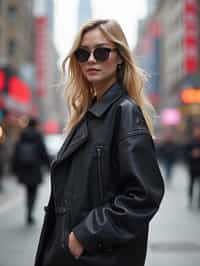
point(100, 54)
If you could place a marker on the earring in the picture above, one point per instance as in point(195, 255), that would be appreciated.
point(119, 67)
point(120, 72)
point(95, 92)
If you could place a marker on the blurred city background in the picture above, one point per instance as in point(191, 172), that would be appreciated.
point(164, 36)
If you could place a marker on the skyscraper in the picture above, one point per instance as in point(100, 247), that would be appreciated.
point(151, 6)
point(84, 12)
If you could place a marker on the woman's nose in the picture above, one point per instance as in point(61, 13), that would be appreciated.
point(91, 57)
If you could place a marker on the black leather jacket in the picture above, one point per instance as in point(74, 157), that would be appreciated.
point(106, 187)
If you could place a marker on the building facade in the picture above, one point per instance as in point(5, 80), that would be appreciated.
point(16, 32)
point(16, 52)
point(84, 12)
point(178, 55)
point(147, 54)
point(50, 98)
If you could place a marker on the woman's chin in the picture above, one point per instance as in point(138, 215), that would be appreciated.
point(94, 80)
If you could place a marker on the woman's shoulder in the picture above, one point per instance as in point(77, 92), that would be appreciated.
point(130, 116)
point(128, 107)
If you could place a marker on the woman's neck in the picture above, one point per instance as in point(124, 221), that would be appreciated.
point(100, 89)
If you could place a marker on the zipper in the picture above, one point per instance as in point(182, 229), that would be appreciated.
point(99, 169)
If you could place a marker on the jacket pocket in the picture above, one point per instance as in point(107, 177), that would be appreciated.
point(63, 224)
point(99, 151)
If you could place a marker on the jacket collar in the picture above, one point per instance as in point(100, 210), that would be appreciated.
point(79, 134)
point(107, 99)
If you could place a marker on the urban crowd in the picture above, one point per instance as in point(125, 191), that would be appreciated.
point(170, 152)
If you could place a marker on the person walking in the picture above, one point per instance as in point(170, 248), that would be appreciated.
point(1, 165)
point(106, 183)
point(193, 162)
point(168, 154)
point(29, 156)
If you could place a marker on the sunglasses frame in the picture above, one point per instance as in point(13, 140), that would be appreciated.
point(108, 49)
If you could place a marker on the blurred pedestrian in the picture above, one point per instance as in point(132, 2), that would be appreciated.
point(29, 157)
point(1, 166)
point(106, 182)
point(168, 151)
point(193, 161)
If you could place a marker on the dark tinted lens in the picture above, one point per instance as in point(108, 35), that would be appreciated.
point(82, 55)
point(101, 53)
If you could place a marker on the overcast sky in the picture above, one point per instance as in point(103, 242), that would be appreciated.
point(127, 12)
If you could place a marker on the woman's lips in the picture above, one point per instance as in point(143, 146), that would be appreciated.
point(92, 70)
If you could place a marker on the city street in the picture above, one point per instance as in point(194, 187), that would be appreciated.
point(174, 235)
point(18, 242)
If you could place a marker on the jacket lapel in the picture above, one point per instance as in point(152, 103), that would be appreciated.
point(66, 143)
point(77, 137)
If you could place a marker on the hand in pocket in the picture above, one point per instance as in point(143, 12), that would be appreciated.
point(75, 247)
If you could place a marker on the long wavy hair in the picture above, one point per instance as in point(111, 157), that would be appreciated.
point(79, 92)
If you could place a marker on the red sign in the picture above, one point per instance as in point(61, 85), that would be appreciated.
point(190, 40)
point(41, 24)
point(2, 80)
point(2, 104)
point(19, 90)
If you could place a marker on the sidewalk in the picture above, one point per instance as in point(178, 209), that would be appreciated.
point(11, 194)
point(174, 232)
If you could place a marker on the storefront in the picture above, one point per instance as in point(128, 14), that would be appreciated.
point(190, 106)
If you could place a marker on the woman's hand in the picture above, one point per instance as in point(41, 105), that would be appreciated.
point(75, 246)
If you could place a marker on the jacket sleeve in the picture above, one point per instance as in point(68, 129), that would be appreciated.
point(128, 215)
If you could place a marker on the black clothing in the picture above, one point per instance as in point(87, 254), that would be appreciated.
point(30, 175)
point(167, 152)
point(106, 187)
point(1, 165)
point(193, 163)
point(31, 194)
point(194, 169)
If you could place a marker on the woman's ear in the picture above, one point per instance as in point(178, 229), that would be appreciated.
point(119, 60)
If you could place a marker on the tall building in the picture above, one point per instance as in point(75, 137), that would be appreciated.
point(179, 56)
point(16, 52)
point(16, 32)
point(84, 12)
point(47, 74)
point(147, 53)
point(180, 46)
point(50, 14)
point(151, 6)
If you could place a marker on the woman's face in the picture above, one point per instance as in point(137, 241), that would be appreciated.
point(96, 71)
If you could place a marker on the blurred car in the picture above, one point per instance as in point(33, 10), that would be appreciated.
point(53, 143)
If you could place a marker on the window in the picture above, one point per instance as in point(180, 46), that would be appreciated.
point(0, 39)
point(11, 47)
point(12, 13)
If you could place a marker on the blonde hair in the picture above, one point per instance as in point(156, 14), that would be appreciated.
point(79, 92)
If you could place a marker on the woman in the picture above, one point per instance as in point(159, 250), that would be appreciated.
point(106, 184)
